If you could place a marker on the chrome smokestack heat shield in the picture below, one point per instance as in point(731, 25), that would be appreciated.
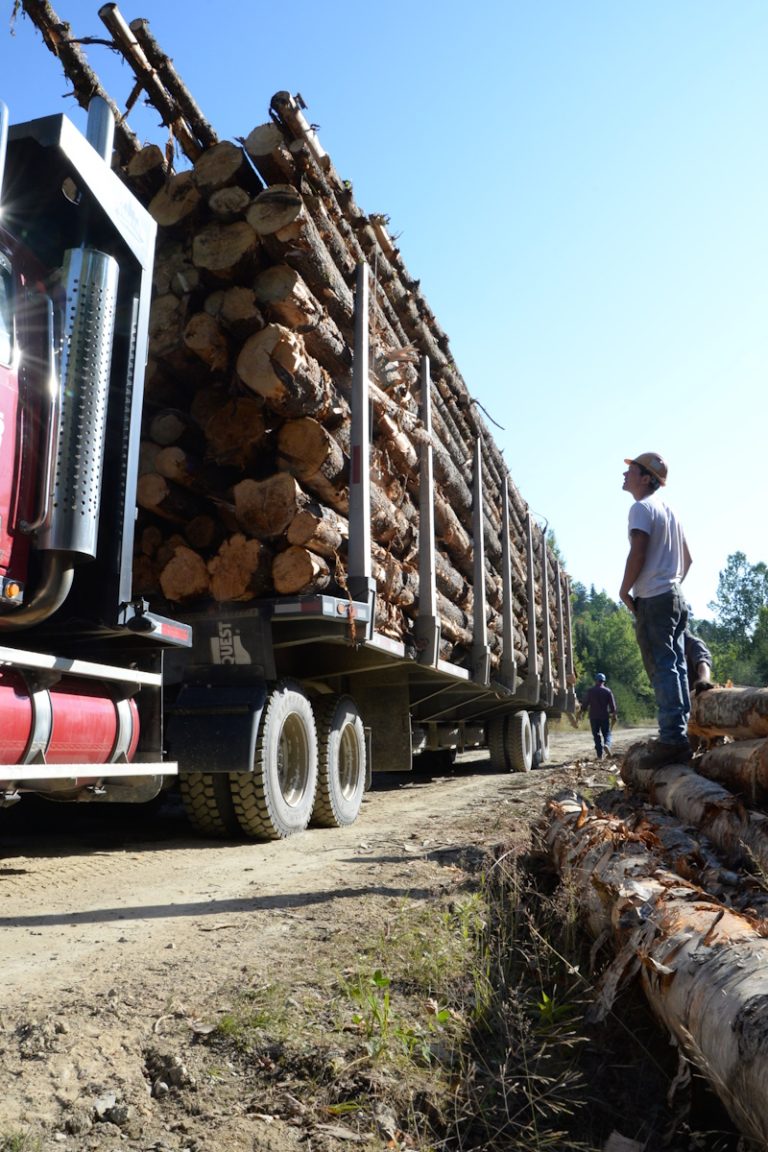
point(90, 282)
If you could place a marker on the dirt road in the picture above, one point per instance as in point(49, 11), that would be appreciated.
point(115, 923)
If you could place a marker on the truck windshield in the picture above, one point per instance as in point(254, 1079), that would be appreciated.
point(6, 312)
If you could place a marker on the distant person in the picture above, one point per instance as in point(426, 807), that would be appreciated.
point(600, 707)
point(657, 563)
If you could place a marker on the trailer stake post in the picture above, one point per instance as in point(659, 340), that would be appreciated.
point(548, 689)
point(508, 665)
point(427, 621)
point(561, 694)
point(481, 653)
point(362, 586)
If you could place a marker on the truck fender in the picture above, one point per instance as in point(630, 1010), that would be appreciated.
point(213, 728)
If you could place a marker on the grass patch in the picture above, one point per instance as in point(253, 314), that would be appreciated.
point(452, 1026)
point(20, 1142)
point(458, 1025)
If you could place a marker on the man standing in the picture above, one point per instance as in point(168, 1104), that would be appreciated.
point(600, 707)
point(657, 563)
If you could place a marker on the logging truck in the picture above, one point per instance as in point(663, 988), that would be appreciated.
point(269, 711)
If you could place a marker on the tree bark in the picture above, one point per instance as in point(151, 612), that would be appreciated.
point(289, 234)
point(319, 529)
point(266, 146)
point(307, 450)
point(703, 968)
point(704, 803)
point(741, 713)
point(741, 767)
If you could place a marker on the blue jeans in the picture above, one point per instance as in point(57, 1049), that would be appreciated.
point(659, 626)
point(601, 734)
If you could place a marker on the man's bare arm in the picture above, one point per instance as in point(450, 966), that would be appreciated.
point(638, 548)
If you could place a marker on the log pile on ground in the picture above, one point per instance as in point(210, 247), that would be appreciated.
point(245, 461)
point(673, 873)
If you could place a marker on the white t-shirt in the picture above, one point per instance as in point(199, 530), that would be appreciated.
point(664, 560)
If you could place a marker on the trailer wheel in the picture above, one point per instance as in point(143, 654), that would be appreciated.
point(540, 725)
point(276, 799)
point(497, 743)
point(207, 801)
point(341, 763)
point(520, 742)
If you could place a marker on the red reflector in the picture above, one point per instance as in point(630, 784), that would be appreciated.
point(176, 631)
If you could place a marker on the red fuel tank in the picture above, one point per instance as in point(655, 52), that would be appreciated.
point(72, 722)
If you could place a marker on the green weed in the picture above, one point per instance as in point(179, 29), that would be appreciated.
point(19, 1142)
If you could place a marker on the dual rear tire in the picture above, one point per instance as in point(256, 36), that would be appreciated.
point(518, 741)
point(308, 766)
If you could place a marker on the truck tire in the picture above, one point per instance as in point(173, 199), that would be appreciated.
point(341, 763)
point(207, 801)
point(496, 735)
point(520, 742)
point(540, 726)
point(276, 799)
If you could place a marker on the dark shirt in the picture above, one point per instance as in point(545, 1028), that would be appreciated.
point(600, 702)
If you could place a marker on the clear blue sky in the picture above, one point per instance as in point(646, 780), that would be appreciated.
point(582, 189)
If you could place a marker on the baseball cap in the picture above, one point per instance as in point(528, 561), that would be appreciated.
point(600, 676)
point(652, 463)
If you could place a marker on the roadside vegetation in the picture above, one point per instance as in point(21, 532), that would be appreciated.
point(461, 1026)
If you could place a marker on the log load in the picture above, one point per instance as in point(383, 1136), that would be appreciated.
point(703, 968)
point(251, 339)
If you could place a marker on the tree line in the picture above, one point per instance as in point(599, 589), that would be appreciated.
point(737, 636)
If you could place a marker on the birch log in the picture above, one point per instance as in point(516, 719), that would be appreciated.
point(741, 767)
point(704, 803)
point(741, 713)
point(703, 968)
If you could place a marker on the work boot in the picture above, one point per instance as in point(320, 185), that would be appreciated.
point(658, 753)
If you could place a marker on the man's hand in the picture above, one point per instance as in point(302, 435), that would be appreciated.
point(702, 686)
point(614, 718)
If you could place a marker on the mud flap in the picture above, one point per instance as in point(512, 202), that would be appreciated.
point(213, 728)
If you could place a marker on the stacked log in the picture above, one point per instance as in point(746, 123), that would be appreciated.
point(703, 967)
point(673, 872)
point(252, 336)
point(724, 791)
point(251, 346)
